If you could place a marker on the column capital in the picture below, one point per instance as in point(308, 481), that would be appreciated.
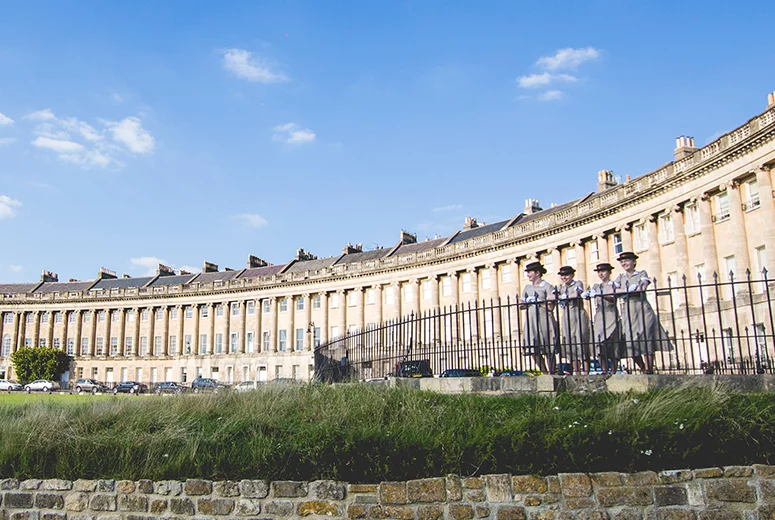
point(653, 217)
point(734, 183)
point(452, 274)
point(471, 269)
point(678, 208)
point(376, 286)
point(704, 196)
point(491, 265)
point(414, 281)
point(550, 250)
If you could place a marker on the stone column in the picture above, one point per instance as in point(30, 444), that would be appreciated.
point(63, 332)
point(766, 194)
point(414, 289)
point(17, 318)
point(342, 311)
point(434, 281)
point(292, 323)
point(257, 339)
point(602, 249)
point(709, 252)
point(151, 332)
point(378, 302)
point(494, 282)
point(136, 332)
point(740, 241)
point(22, 329)
point(108, 325)
point(242, 340)
point(324, 325)
point(78, 329)
point(195, 338)
point(165, 331)
point(211, 316)
point(92, 332)
point(361, 302)
point(455, 285)
point(51, 324)
point(181, 330)
point(655, 256)
point(226, 329)
point(121, 330)
point(308, 325)
point(680, 246)
point(35, 328)
point(581, 261)
point(626, 232)
point(398, 300)
point(273, 339)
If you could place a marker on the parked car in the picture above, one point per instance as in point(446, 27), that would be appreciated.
point(89, 385)
point(511, 373)
point(130, 387)
point(414, 368)
point(41, 385)
point(461, 372)
point(247, 386)
point(169, 387)
point(9, 386)
point(206, 384)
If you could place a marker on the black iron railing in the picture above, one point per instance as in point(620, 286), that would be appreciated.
point(723, 326)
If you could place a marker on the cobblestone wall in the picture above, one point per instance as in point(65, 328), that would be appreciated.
point(730, 493)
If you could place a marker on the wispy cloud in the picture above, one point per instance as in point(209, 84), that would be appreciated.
point(8, 207)
point(5, 141)
point(551, 95)
point(544, 79)
point(244, 65)
point(449, 207)
point(149, 263)
point(568, 59)
point(80, 143)
point(5, 120)
point(118, 98)
point(293, 134)
point(15, 268)
point(253, 220)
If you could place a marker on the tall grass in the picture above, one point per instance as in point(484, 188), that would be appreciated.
point(362, 433)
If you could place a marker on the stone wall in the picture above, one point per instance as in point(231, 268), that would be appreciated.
point(730, 493)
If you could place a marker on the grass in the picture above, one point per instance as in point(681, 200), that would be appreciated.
point(364, 433)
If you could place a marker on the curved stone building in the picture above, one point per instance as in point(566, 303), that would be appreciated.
point(711, 210)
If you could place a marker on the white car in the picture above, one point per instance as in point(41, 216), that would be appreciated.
point(9, 386)
point(41, 385)
point(247, 386)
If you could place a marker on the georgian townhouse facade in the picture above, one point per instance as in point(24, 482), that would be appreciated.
point(710, 210)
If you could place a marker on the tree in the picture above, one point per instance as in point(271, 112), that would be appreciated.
point(39, 363)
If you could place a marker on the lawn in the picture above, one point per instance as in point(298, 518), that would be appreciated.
point(363, 433)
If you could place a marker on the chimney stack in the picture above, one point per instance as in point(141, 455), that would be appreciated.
point(301, 255)
point(165, 270)
point(470, 223)
point(408, 238)
point(254, 261)
point(770, 99)
point(106, 274)
point(210, 267)
point(48, 276)
point(349, 248)
point(531, 206)
point(684, 147)
point(605, 180)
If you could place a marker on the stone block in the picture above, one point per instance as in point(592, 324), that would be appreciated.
point(31, 484)
point(719, 514)
point(168, 488)
point(226, 488)
point(103, 502)
point(106, 486)
point(585, 384)
point(627, 514)
point(575, 485)
point(17, 500)
point(695, 493)
point(215, 506)
point(56, 485)
point(362, 488)
point(460, 511)
point(730, 490)
point(24, 515)
point(289, 489)
point(761, 470)
point(625, 496)
point(357, 511)
point(196, 487)
point(80, 516)
point(482, 511)
point(766, 512)
point(643, 478)
point(523, 484)
point(76, 501)
point(157, 505)
point(510, 513)
point(672, 514)
point(549, 384)
point(476, 496)
point(675, 476)
point(145, 486)
point(580, 503)
point(498, 488)
point(278, 507)
point(553, 484)
point(592, 514)
point(254, 488)
point(426, 490)
point(327, 490)
point(366, 499)
point(85, 485)
point(767, 491)
point(318, 507)
point(125, 487)
point(182, 506)
point(670, 496)
point(607, 479)
point(520, 385)
point(473, 483)
point(624, 383)
point(393, 493)
point(454, 488)
point(532, 500)
point(738, 471)
point(48, 515)
point(134, 503)
point(8, 484)
point(708, 473)
point(49, 501)
point(247, 507)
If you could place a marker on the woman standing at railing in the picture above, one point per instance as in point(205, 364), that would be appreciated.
point(640, 327)
point(540, 332)
point(574, 321)
point(605, 327)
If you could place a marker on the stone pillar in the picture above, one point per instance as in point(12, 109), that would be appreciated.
point(257, 338)
point(165, 331)
point(226, 329)
point(108, 326)
point(655, 255)
point(121, 330)
point(361, 302)
point(680, 246)
point(709, 252)
point(151, 332)
point(308, 325)
point(17, 318)
point(766, 194)
point(242, 340)
point(602, 249)
point(398, 300)
point(414, 289)
point(473, 273)
point(22, 329)
point(378, 303)
point(434, 281)
point(581, 261)
point(273, 324)
point(211, 316)
point(494, 283)
point(63, 332)
point(92, 332)
point(292, 323)
point(35, 328)
point(181, 338)
point(626, 233)
point(51, 324)
point(195, 338)
point(78, 329)
point(136, 332)
point(324, 325)
point(455, 285)
point(740, 241)
point(342, 311)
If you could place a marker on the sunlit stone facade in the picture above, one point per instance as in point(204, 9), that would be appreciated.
point(710, 210)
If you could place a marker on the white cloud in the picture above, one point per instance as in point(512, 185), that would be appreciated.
point(543, 79)
point(149, 263)
point(118, 98)
point(551, 95)
point(244, 65)
point(450, 207)
point(5, 120)
point(191, 269)
point(293, 134)
point(57, 145)
point(8, 206)
point(15, 268)
point(4, 141)
point(253, 220)
point(41, 115)
point(568, 58)
point(130, 132)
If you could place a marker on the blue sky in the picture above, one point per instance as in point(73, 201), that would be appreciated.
point(133, 133)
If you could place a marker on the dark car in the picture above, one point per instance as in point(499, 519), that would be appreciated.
point(206, 384)
point(461, 372)
point(89, 385)
point(130, 387)
point(169, 387)
point(511, 373)
point(414, 368)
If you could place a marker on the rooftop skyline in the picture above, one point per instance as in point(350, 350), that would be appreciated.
point(132, 135)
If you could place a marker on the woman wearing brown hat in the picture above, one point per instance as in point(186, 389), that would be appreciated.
point(574, 321)
point(540, 330)
point(640, 327)
point(605, 327)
